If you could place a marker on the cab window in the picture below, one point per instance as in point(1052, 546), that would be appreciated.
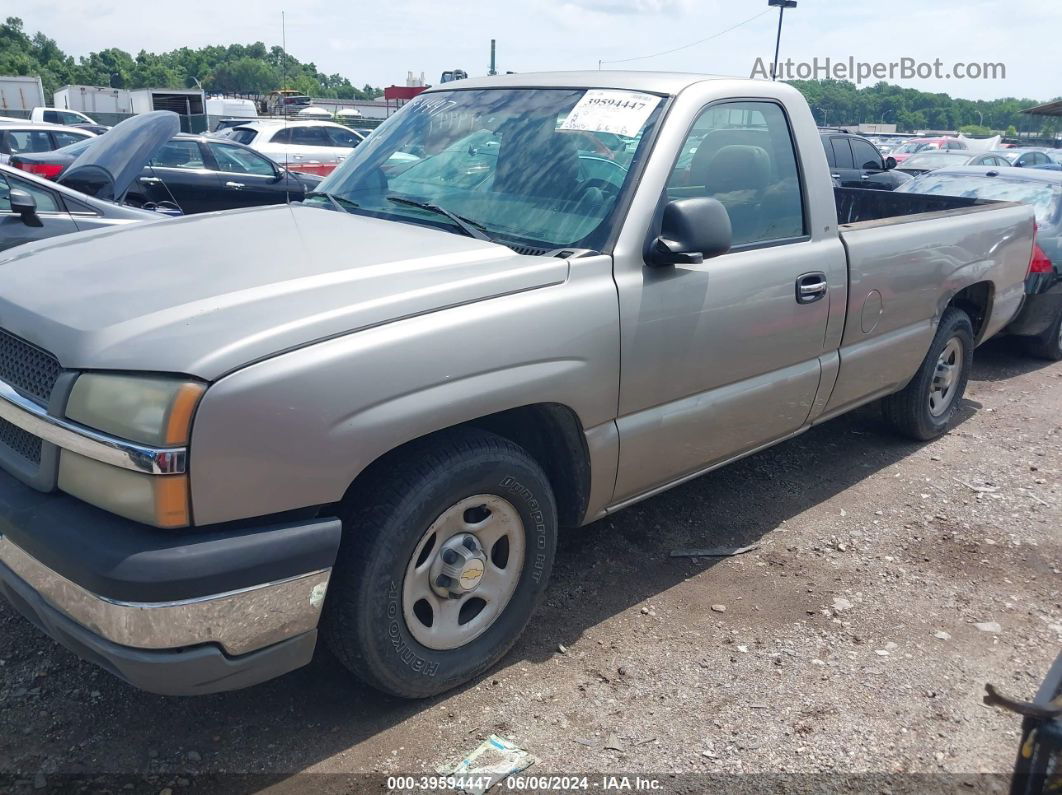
point(865, 155)
point(179, 154)
point(47, 202)
point(746, 160)
point(309, 136)
point(237, 160)
point(344, 138)
point(842, 153)
point(63, 138)
point(18, 142)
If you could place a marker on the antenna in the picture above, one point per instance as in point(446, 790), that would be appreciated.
point(283, 110)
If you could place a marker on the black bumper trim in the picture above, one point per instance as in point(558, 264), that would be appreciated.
point(122, 560)
point(196, 670)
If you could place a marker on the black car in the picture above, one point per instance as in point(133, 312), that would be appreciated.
point(1040, 320)
point(195, 172)
point(856, 163)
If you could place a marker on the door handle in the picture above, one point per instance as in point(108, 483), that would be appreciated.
point(236, 185)
point(835, 176)
point(150, 180)
point(810, 287)
point(864, 176)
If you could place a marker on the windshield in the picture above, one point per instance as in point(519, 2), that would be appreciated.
point(1044, 197)
point(935, 160)
point(906, 149)
point(538, 168)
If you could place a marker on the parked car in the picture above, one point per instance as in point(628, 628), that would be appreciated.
point(312, 147)
point(857, 163)
point(197, 173)
point(905, 150)
point(921, 162)
point(1025, 157)
point(33, 209)
point(381, 403)
point(59, 116)
point(1040, 321)
point(96, 129)
point(20, 138)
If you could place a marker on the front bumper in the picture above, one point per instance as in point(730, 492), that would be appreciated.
point(178, 613)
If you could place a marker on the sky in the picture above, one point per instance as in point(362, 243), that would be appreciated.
point(379, 42)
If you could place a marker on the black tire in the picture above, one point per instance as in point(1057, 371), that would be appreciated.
point(1049, 344)
point(385, 517)
point(908, 411)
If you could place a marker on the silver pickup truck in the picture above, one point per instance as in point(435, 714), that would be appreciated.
point(524, 302)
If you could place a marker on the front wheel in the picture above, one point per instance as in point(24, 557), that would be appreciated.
point(925, 408)
point(445, 554)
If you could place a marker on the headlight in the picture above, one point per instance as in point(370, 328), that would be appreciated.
point(153, 411)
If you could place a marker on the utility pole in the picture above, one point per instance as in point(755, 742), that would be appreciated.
point(782, 6)
point(493, 66)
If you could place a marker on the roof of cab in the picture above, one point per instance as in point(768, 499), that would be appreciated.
point(653, 82)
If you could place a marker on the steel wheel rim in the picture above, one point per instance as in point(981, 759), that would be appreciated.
point(946, 377)
point(443, 622)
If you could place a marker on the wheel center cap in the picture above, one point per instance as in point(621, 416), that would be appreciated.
point(471, 574)
point(458, 567)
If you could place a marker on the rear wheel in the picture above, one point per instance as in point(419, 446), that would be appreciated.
point(1049, 344)
point(445, 555)
point(925, 408)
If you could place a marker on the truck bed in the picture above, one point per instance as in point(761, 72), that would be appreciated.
point(908, 254)
point(859, 205)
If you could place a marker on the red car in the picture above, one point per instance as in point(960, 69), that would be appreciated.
point(908, 148)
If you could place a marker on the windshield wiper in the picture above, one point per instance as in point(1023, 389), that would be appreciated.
point(336, 201)
point(469, 227)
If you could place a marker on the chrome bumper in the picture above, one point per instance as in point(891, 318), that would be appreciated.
point(239, 621)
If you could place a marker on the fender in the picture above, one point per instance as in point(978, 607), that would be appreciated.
point(295, 430)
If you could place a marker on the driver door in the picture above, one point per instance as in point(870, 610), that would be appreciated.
point(722, 357)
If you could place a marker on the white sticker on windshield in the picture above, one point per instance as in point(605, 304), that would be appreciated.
point(606, 110)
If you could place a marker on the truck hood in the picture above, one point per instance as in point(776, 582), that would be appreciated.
point(206, 294)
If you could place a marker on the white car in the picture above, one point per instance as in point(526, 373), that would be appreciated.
point(313, 147)
point(59, 116)
point(18, 138)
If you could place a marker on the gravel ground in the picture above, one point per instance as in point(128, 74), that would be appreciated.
point(891, 581)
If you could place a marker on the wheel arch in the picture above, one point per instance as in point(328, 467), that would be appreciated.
point(551, 433)
point(976, 301)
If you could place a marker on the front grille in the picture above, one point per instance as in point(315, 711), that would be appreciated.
point(22, 443)
point(27, 367)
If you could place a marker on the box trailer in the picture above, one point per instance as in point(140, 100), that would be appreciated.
point(20, 93)
point(93, 99)
point(186, 102)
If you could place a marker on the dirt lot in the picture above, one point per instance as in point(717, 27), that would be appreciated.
point(856, 638)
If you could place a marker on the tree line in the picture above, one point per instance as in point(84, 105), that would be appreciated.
point(246, 69)
point(254, 69)
point(838, 103)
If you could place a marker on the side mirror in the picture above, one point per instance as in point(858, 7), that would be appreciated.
point(691, 231)
point(890, 163)
point(23, 203)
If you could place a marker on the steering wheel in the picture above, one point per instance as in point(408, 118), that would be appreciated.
point(609, 189)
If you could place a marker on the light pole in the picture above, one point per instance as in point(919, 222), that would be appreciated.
point(980, 118)
point(885, 113)
point(825, 115)
point(782, 6)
